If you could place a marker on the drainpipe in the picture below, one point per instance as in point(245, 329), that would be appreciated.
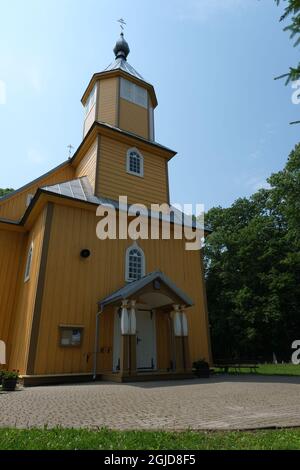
point(96, 342)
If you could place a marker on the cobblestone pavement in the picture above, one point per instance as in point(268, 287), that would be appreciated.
point(216, 403)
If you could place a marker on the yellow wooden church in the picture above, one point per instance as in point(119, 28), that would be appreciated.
point(74, 307)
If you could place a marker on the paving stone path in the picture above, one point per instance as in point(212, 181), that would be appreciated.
point(218, 403)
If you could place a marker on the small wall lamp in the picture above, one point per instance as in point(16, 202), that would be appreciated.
point(85, 253)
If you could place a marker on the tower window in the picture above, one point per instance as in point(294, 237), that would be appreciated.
point(90, 101)
point(135, 162)
point(28, 263)
point(134, 93)
point(135, 263)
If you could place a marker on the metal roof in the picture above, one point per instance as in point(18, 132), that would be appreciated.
point(71, 188)
point(135, 286)
point(121, 51)
point(81, 189)
point(8, 221)
point(122, 64)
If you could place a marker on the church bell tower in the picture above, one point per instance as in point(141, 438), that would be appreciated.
point(120, 96)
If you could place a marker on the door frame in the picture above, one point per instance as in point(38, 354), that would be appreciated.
point(140, 369)
point(117, 340)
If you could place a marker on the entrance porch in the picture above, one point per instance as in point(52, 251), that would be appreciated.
point(150, 332)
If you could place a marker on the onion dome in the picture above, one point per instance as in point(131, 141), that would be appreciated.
point(121, 48)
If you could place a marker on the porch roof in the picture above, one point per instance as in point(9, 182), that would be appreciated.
point(133, 287)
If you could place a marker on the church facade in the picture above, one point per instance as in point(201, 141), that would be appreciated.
point(73, 306)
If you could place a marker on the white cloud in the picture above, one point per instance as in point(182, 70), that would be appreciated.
point(35, 157)
point(255, 183)
point(202, 10)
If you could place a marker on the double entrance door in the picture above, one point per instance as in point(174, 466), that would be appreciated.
point(145, 340)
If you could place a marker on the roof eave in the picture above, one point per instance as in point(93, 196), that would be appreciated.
point(171, 152)
point(36, 180)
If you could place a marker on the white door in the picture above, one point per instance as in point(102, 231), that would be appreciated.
point(145, 338)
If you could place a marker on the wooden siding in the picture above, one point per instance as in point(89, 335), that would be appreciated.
point(87, 166)
point(113, 179)
point(184, 268)
point(21, 326)
point(74, 285)
point(134, 118)
point(10, 253)
point(89, 120)
point(14, 207)
point(107, 102)
point(163, 340)
point(106, 341)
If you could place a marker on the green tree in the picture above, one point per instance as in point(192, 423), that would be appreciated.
point(252, 261)
point(292, 10)
point(3, 192)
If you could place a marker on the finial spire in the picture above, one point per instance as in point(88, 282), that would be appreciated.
point(122, 24)
point(121, 48)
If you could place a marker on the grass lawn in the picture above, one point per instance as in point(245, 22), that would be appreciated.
point(70, 439)
point(271, 369)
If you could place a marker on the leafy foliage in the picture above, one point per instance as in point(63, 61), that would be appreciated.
point(14, 374)
point(3, 192)
point(292, 9)
point(252, 261)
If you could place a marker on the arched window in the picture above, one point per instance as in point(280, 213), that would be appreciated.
point(135, 162)
point(135, 263)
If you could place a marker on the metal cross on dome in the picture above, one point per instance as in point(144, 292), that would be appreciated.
point(122, 23)
point(71, 148)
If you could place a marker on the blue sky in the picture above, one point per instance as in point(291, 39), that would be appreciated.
point(212, 63)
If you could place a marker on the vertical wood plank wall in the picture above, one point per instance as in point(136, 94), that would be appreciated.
point(134, 118)
point(74, 285)
point(21, 326)
point(10, 253)
point(107, 101)
point(87, 166)
point(117, 111)
point(89, 120)
point(14, 207)
point(106, 339)
point(113, 180)
point(163, 340)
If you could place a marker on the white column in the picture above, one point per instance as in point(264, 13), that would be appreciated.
point(124, 318)
point(184, 322)
point(176, 320)
point(132, 318)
